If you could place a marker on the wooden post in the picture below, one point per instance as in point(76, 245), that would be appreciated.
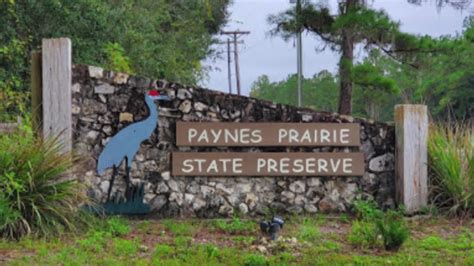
point(411, 156)
point(36, 92)
point(57, 82)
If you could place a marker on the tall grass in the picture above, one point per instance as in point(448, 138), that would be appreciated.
point(451, 162)
point(36, 193)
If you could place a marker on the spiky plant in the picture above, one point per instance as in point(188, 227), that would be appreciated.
point(451, 161)
point(37, 193)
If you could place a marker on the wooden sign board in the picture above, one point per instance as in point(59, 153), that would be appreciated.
point(267, 164)
point(229, 134)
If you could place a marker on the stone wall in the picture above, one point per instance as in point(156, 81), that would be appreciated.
point(105, 102)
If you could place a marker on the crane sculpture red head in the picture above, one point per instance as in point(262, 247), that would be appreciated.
point(155, 95)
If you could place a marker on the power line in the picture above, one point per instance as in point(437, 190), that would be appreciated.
point(236, 34)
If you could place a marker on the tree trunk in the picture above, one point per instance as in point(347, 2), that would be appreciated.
point(347, 58)
point(345, 66)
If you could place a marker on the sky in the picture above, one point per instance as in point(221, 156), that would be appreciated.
point(263, 54)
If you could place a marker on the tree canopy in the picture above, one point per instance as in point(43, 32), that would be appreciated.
point(160, 38)
point(440, 75)
point(355, 22)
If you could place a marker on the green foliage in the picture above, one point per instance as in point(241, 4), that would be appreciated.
point(161, 39)
point(180, 228)
point(393, 229)
point(163, 251)
point(363, 234)
point(453, 245)
point(308, 231)
point(117, 226)
point(116, 59)
point(367, 210)
point(319, 92)
point(125, 247)
point(95, 241)
point(451, 159)
point(36, 196)
point(255, 260)
point(235, 226)
point(373, 222)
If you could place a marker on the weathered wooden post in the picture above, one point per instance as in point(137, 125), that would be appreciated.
point(56, 91)
point(411, 156)
point(36, 92)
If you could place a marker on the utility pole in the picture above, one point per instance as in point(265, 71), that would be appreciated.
point(236, 34)
point(299, 55)
point(228, 66)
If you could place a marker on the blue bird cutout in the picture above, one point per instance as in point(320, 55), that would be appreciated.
point(125, 144)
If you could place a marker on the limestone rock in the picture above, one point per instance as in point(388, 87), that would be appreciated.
point(91, 136)
point(184, 94)
point(173, 185)
point(162, 188)
point(207, 191)
point(76, 87)
point(107, 130)
point(192, 188)
point(226, 210)
point(313, 182)
point(198, 204)
point(104, 186)
point(158, 202)
point(185, 106)
point(222, 187)
point(200, 107)
point(243, 209)
point(125, 117)
point(121, 78)
point(93, 107)
point(177, 197)
point(188, 198)
point(96, 72)
point(295, 209)
point(251, 200)
point(165, 175)
point(368, 149)
point(104, 89)
point(382, 163)
point(298, 186)
point(310, 208)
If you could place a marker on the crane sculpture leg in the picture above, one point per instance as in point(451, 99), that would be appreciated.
point(112, 179)
point(128, 193)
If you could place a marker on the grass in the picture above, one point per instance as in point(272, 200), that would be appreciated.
point(451, 161)
point(235, 226)
point(434, 241)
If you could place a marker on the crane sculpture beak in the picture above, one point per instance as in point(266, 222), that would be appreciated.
point(163, 98)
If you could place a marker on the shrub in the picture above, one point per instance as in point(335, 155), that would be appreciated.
point(363, 234)
point(367, 210)
point(36, 194)
point(373, 223)
point(393, 229)
point(451, 161)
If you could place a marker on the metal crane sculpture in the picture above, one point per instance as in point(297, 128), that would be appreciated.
point(125, 144)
